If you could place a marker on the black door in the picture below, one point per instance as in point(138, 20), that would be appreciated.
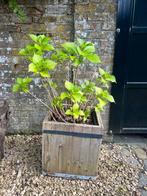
point(129, 114)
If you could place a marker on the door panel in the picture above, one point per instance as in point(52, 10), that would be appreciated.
point(135, 107)
point(129, 114)
point(139, 13)
point(137, 58)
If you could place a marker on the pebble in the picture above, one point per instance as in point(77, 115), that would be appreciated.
point(20, 172)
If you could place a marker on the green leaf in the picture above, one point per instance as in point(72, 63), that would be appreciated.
point(89, 49)
point(86, 114)
point(110, 98)
point(81, 113)
point(102, 72)
point(107, 96)
point(79, 51)
point(107, 76)
point(68, 112)
point(37, 58)
point(57, 102)
point(53, 84)
point(49, 64)
point(15, 88)
point(22, 52)
point(76, 115)
point(41, 38)
point(77, 96)
point(45, 74)
point(69, 86)
point(34, 37)
point(48, 47)
point(64, 95)
point(97, 108)
point(75, 107)
point(22, 85)
point(38, 47)
point(98, 90)
point(32, 68)
point(27, 80)
point(19, 80)
point(102, 102)
point(70, 47)
point(94, 58)
point(77, 62)
point(110, 77)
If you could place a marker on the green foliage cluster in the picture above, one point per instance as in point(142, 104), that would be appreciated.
point(13, 5)
point(78, 98)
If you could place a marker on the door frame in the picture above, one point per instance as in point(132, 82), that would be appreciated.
point(123, 23)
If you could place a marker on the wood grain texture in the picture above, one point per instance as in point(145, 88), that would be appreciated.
point(66, 154)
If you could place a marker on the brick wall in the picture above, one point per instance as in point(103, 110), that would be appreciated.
point(95, 20)
point(62, 20)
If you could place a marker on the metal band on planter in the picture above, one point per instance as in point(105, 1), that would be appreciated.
point(73, 134)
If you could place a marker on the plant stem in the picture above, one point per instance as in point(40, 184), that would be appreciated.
point(43, 104)
point(50, 99)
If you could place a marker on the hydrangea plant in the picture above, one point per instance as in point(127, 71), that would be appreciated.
point(74, 104)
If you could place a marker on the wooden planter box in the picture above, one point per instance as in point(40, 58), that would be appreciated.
point(4, 112)
point(71, 150)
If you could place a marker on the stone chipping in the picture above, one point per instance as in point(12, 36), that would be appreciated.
point(20, 172)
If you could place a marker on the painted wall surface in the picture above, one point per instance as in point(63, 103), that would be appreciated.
point(62, 20)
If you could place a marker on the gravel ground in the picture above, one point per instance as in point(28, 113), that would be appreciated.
point(20, 172)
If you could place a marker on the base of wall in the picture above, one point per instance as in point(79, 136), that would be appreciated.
point(108, 138)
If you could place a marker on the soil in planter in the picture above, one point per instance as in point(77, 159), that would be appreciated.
point(92, 120)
